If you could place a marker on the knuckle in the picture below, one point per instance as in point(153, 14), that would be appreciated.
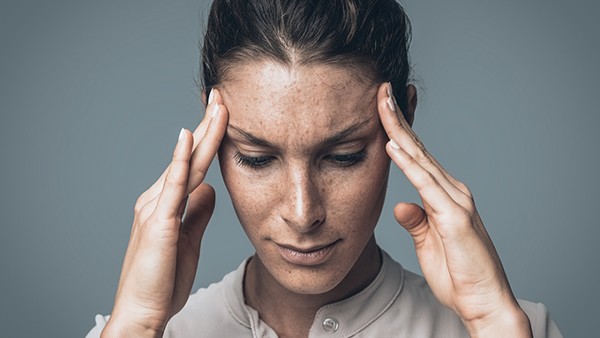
point(418, 141)
point(139, 203)
point(201, 172)
point(136, 208)
point(160, 226)
point(179, 181)
point(468, 193)
point(177, 176)
point(145, 212)
point(425, 178)
point(466, 199)
point(469, 207)
point(463, 187)
point(422, 156)
point(199, 167)
point(398, 124)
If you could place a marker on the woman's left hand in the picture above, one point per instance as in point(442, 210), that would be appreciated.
point(455, 252)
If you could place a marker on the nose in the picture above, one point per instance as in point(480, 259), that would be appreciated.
point(302, 205)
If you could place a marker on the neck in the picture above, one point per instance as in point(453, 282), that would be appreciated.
point(291, 314)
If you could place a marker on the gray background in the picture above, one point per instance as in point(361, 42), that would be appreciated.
point(93, 94)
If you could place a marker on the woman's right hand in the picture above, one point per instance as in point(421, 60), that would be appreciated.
point(163, 251)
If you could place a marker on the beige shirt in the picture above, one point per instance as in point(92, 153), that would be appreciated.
point(398, 303)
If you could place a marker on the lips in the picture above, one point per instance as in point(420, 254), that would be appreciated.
point(309, 256)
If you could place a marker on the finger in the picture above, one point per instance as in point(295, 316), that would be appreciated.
point(207, 147)
point(398, 129)
point(173, 192)
point(203, 126)
point(198, 134)
point(394, 123)
point(427, 185)
point(420, 150)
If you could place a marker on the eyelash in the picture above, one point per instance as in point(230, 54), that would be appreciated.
point(347, 160)
point(259, 162)
point(251, 161)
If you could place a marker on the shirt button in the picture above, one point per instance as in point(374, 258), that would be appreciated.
point(330, 325)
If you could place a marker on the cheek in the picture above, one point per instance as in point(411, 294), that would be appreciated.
point(252, 198)
point(353, 198)
point(358, 198)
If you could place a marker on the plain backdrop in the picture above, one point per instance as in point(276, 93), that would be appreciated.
point(93, 94)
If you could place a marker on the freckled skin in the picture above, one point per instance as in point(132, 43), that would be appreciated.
point(301, 198)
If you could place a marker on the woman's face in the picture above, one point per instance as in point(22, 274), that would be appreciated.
point(305, 164)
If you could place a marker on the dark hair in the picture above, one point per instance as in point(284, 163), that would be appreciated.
point(372, 36)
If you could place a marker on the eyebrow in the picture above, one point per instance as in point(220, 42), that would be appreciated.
point(334, 139)
point(253, 139)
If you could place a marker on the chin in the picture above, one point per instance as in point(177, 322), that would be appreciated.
point(315, 282)
point(309, 280)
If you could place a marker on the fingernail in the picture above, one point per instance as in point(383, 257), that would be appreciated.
point(215, 111)
point(211, 96)
point(181, 134)
point(391, 101)
point(394, 145)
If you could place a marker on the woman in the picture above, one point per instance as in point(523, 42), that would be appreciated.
point(308, 102)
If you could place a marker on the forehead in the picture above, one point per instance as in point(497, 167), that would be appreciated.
point(300, 101)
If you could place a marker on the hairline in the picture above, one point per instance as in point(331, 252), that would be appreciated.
point(361, 71)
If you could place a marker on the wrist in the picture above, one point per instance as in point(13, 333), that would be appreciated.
point(123, 327)
point(505, 322)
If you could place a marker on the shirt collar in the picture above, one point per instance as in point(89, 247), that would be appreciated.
point(341, 319)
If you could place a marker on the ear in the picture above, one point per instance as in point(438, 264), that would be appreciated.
point(411, 96)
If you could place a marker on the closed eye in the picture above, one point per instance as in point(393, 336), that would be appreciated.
point(346, 160)
point(340, 160)
point(256, 162)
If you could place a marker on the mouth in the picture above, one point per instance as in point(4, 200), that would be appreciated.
point(309, 256)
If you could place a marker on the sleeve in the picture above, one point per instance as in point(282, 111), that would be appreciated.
point(100, 324)
point(542, 324)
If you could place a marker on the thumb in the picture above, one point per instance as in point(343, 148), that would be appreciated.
point(201, 205)
point(412, 218)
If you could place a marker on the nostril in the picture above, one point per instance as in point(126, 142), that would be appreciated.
point(304, 223)
point(317, 223)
